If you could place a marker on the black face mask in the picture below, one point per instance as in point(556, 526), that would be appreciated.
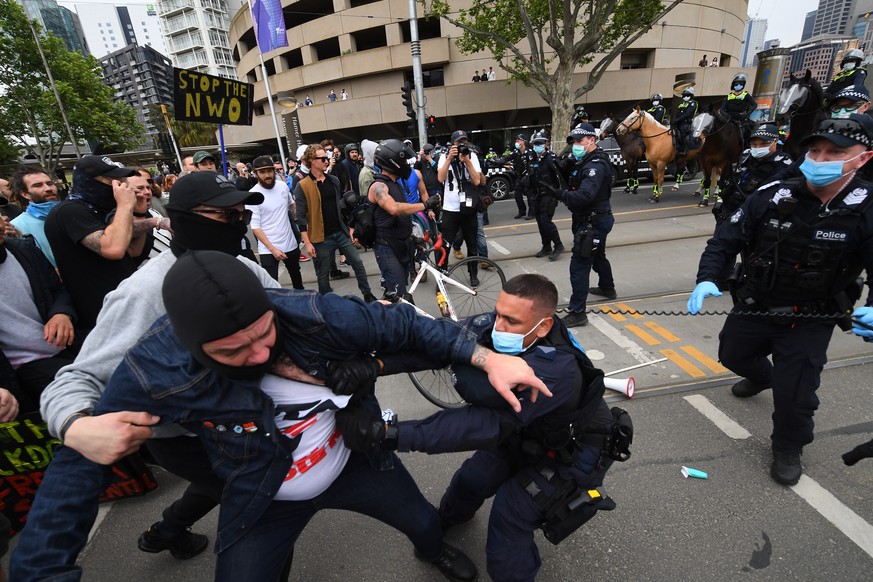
point(96, 194)
point(2, 254)
point(193, 232)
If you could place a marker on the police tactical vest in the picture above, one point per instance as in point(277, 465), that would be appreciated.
point(750, 174)
point(387, 226)
point(797, 263)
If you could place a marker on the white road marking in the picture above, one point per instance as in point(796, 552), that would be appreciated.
point(833, 510)
point(102, 511)
point(499, 248)
point(853, 526)
point(724, 422)
point(636, 351)
point(595, 355)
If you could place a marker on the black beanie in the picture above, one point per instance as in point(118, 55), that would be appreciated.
point(210, 295)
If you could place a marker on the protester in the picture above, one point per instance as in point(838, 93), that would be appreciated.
point(36, 192)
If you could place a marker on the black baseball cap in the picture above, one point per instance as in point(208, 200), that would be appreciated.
point(853, 130)
point(93, 166)
point(263, 162)
point(459, 135)
point(427, 147)
point(210, 189)
point(767, 132)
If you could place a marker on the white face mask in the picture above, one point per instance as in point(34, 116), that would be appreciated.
point(849, 66)
point(759, 152)
point(656, 103)
point(686, 98)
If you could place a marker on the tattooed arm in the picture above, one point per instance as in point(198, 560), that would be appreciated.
point(378, 194)
point(507, 372)
point(113, 241)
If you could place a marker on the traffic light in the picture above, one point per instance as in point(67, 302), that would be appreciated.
point(409, 104)
point(431, 122)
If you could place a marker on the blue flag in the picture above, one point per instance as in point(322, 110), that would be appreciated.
point(269, 24)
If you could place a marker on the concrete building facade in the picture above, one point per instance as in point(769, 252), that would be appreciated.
point(195, 34)
point(363, 47)
point(112, 28)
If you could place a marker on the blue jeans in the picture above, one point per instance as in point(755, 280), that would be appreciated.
point(392, 497)
point(395, 272)
point(580, 268)
point(324, 254)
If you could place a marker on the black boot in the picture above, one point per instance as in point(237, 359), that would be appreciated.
point(544, 252)
point(786, 469)
point(453, 564)
point(746, 388)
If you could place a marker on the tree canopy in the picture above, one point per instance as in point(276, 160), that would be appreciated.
point(560, 34)
point(30, 118)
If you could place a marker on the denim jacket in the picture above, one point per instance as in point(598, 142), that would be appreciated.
point(234, 419)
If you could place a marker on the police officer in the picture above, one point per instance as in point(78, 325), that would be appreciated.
point(513, 461)
point(543, 170)
point(756, 166)
point(589, 177)
point(685, 113)
point(848, 101)
point(738, 105)
point(580, 115)
point(520, 160)
point(851, 74)
point(804, 243)
point(657, 110)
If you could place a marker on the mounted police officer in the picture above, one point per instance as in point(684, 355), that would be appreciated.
point(851, 74)
point(739, 105)
point(580, 115)
point(804, 243)
point(537, 463)
point(520, 160)
point(589, 176)
point(756, 166)
point(685, 113)
point(544, 171)
point(657, 110)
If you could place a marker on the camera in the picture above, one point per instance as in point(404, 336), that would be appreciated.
point(464, 150)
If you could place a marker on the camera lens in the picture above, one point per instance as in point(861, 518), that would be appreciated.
point(464, 150)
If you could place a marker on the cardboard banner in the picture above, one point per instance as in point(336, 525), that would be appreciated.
point(26, 448)
point(201, 97)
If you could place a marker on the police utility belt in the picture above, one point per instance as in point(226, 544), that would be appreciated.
point(585, 242)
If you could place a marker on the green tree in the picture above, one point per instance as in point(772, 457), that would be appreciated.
point(560, 34)
point(30, 113)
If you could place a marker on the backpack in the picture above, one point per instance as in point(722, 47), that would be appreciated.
point(364, 223)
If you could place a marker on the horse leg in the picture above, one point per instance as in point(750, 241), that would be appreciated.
point(635, 182)
point(680, 176)
point(658, 175)
point(705, 184)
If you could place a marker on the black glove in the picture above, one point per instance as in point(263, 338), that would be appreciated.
point(362, 430)
point(550, 190)
point(432, 202)
point(352, 377)
point(860, 452)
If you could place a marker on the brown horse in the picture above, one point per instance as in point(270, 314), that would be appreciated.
point(721, 149)
point(631, 147)
point(659, 146)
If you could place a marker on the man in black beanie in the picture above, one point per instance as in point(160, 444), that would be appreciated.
point(207, 212)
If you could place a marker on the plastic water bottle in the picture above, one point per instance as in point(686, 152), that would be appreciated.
point(444, 305)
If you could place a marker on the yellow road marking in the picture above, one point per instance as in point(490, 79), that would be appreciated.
point(689, 368)
point(643, 335)
point(631, 311)
point(661, 331)
point(704, 359)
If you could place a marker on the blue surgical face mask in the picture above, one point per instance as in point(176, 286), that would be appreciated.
point(578, 151)
point(849, 66)
point(686, 98)
point(738, 87)
point(42, 209)
point(760, 152)
point(510, 343)
point(539, 148)
point(824, 173)
point(517, 146)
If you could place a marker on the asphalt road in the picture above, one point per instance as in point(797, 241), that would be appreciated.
point(736, 525)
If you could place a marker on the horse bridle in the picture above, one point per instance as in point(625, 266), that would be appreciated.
point(639, 116)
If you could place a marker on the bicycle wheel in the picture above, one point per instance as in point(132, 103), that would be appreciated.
point(437, 387)
point(491, 281)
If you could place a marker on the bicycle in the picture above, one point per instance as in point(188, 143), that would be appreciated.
point(459, 301)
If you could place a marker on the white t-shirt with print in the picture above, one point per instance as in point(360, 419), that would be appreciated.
point(272, 217)
point(453, 196)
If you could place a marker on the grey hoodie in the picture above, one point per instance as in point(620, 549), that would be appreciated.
point(368, 148)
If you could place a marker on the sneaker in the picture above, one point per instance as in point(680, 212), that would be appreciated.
point(575, 319)
point(486, 265)
point(453, 564)
point(555, 254)
point(786, 469)
point(459, 254)
point(543, 252)
point(746, 389)
point(369, 297)
point(519, 215)
point(184, 546)
point(334, 275)
point(600, 292)
point(304, 258)
point(474, 281)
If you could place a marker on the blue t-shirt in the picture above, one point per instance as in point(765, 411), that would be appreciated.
point(410, 186)
point(35, 227)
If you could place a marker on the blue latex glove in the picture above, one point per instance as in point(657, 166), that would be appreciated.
point(703, 290)
point(864, 315)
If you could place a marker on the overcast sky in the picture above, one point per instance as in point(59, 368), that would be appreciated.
point(784, 17)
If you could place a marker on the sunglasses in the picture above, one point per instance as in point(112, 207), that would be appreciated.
point(325, 159)
point(232, 214)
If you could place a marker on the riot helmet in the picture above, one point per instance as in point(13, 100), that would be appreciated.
point(739, 81)
point(393, 155)
point(656, 98)
point(853, 56)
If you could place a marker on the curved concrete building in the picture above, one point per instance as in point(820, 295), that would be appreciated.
point(363, 48)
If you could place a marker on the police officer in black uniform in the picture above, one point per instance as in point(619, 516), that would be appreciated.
point(589, 176)
point(756, 166)
point(516, 461)
point(580, 115)
point(392, 214)
point(657, 109)
point(851, 74)
point(685, 113)
point(804, 243)
point(520, 160)
point(739, 105)
point(542, 165)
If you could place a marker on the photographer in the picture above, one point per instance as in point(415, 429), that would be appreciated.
point(461, 174)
